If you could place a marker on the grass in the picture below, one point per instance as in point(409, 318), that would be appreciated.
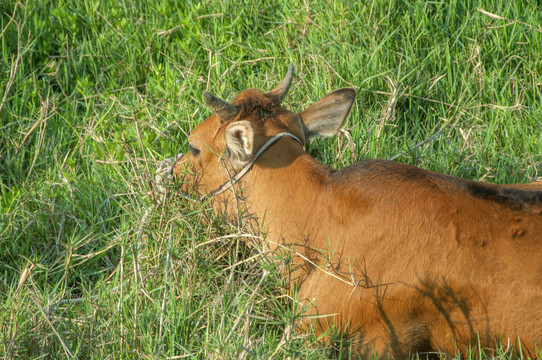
point(95, 93)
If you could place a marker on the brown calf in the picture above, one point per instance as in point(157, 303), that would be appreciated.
point(406, 259)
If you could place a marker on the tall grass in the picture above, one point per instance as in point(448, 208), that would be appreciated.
point(95, 93)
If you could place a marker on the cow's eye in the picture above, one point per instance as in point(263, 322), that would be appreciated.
point(193, 150)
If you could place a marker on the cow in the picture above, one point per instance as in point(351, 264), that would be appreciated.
point(402, 259)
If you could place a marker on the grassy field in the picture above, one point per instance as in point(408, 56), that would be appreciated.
point(93, 94)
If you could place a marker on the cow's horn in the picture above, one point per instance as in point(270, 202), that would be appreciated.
point(282, 89)
point(223, 109)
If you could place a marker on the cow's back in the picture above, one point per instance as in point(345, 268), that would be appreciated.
point(450, 258)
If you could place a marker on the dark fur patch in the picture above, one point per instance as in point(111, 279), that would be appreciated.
point(513, 198)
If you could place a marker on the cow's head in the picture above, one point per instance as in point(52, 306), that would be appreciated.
point(227, 141)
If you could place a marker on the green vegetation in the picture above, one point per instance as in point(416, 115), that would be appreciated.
point(93, 94)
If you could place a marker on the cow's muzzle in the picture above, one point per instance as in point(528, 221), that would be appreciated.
point(164, 175)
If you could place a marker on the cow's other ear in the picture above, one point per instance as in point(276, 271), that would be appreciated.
point(239, 143)
point(327, 116)
point(223, 109)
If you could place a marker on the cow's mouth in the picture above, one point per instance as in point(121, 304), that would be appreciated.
point(166, 182)
point(164, 176)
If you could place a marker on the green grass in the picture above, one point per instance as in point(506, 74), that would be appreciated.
point(95, 93)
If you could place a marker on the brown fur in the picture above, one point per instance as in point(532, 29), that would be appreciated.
point(402, 258)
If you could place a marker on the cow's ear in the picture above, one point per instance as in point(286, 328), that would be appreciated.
point(327, 116)
point(239, 143)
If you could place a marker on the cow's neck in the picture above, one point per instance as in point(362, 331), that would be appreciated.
point(287, 190)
